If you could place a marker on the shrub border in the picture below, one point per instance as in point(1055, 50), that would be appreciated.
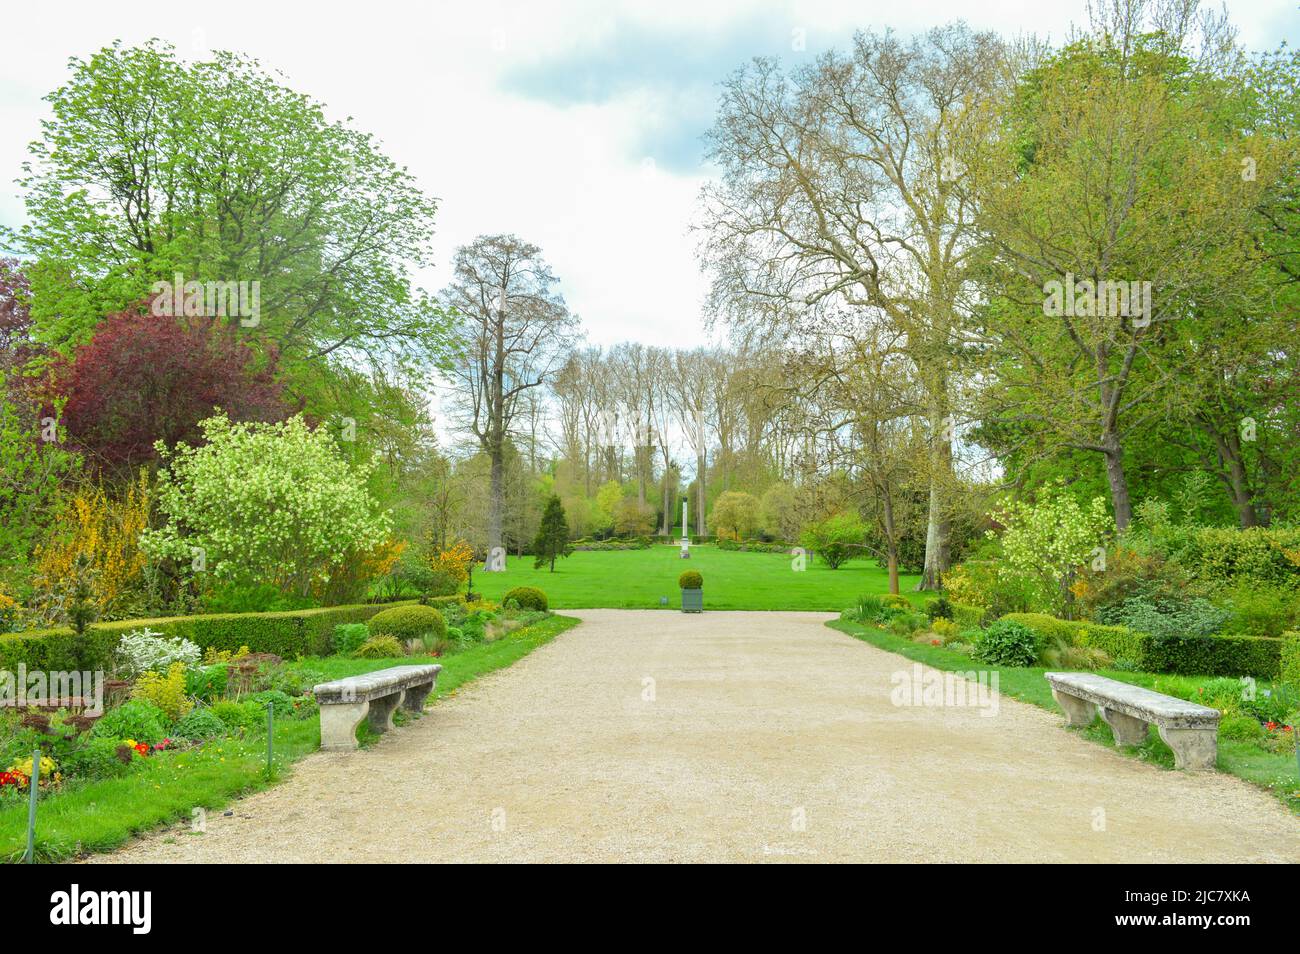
point(288, 634)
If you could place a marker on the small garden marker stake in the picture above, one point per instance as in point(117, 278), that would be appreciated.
point(270, 735)
point(30, 856)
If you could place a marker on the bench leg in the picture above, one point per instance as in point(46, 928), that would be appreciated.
point(1128, 730)
point(1077, 711)
point(413, 698)
point(381, 712)
point(1194, 749)
point(338, 725)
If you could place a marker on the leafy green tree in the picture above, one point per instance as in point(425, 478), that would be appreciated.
point(150, 166)
point(632, 518)
point(31, 472)
point(836, 539)
point(734, 515)
point(608, 497)
point(267, 503)
point(1120, 213)
point(552, 536)
point(780, 512)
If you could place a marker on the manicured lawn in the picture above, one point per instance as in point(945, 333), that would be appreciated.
point(640, 579)
point(1277, 773)
point(100, 816)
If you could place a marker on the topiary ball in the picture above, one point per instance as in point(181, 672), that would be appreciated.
point(528, 597)
point(408, 622)
point(691, 580)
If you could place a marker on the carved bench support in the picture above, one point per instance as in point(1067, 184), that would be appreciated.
point(1127, 729)
point(338, 725)
point(1077, 711)
point(1194, 749)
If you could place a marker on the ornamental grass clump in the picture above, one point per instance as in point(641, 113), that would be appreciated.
point(380, 647)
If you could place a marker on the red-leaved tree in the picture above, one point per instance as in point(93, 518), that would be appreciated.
point(144, 378)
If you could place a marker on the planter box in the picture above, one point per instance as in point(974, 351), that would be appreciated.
point(692, 601)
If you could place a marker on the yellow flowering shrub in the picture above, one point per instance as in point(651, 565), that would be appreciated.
point(213, 656)
point(455, 561)
point(167, 692)
point(961, 586)
point(106, 532)
point(347, 579)
point(9, 613)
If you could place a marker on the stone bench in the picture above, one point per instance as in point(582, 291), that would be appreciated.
point(374, 696)
point(1191, 730)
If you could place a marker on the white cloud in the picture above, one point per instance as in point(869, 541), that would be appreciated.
point(430, 80)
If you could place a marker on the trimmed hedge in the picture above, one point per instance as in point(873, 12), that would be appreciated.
point(1216, 655)
point(1289, 663)
point(288, 634)
point(1117, 642)
point(635, 543)
point(528, 597)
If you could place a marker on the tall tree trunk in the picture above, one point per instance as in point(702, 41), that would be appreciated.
point(891, 540)
point(496, 504)
point(1119, 496)
point(496, 428)
point(936, 528)
point(668, 515)
point(1233, 471)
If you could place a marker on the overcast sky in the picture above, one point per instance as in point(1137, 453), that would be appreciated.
point(576, 125)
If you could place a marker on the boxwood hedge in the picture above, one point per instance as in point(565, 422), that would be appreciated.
point(1289, 664)
point(1192, 655)
point(289, 634)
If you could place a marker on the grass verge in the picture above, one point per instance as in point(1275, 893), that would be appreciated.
point(733, 580)
point(1276, 773)
point(171, 786)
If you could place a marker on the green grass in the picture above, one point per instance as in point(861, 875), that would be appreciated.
point(639, 579)
point(1276, 773)
point(169, 786)
point(458, 668)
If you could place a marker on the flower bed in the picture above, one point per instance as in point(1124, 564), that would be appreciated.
point(140, 766)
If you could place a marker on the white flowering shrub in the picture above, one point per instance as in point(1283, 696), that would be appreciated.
point(143, 650)
point(1047, 540)
point(269, 503)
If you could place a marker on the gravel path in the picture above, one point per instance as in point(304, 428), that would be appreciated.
point(657, 736)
